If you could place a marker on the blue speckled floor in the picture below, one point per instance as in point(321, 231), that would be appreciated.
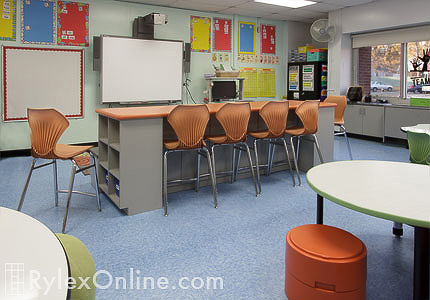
point(243, 241)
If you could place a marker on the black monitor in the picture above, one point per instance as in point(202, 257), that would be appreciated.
point(224, 90)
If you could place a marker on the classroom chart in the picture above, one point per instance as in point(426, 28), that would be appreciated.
point(73, 24)
point(38, 22)
point(200, 30)
point(250, 84)
point(222, 32)
point(246, 38)
point(293, 78)
point(266, 83)
point(8, 20)
point(308, 75)
point(268, 39)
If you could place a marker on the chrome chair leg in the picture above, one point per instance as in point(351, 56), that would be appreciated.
point(237, 163)
point(347, 141)
point(272, 155)
point(54, 169)
point(69, 194)
point(96, 177)
point(213, 162)
point(233, 169)
point(251, 167)
point(257, 165)
point(295, 161)
point(269, 151)
point(289, 162)
point(198, 171)
point(318, 148)
point(165, 182)
point(27, 181)
point(212, 175)
point(298, 148)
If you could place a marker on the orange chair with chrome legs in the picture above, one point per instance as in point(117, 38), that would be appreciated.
point(234, 119)
point(307, 112)
point(46, 128)
point(189, 124)
point(339, 111)
point(274, 115)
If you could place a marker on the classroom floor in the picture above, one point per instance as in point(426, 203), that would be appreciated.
point(243, 241)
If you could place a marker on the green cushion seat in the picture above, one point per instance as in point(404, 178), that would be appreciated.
point(419, 147)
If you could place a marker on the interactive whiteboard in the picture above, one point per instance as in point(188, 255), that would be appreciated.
point(39, 78)
point(140, 70)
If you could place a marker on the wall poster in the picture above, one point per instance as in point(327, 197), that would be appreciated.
point(222, 34)
point(200, 29)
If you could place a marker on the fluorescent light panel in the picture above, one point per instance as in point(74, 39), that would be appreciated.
point(287, 3)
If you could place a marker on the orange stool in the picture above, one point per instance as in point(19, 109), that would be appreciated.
point(324, 263)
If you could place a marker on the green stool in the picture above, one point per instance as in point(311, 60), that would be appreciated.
point(81, 264)
point(419, 153)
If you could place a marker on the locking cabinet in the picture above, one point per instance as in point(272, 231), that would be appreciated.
point(365, 120)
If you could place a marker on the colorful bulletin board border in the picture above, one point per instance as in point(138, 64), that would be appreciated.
point(38, 22)
point(200, 34)
point(73, 23)
point(246, 38)
point(8, 20)
point(15, 77)
point(268, 39)
point(222, 34)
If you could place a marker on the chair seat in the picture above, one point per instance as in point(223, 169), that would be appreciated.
point(69, 151)
point(259, 134)
point(339, 123)
point(295, 131)
point(218, 139)
point(175, 145)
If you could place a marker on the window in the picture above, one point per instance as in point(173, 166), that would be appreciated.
point(418, 81)
point(380, 69)
point(394, 70)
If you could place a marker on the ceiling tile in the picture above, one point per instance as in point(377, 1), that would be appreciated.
point(261, 7)
point(347, 2)
point(322, 7)
point(199, 5)
point(153, 2)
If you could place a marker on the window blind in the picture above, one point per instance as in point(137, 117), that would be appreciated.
point(421, 33)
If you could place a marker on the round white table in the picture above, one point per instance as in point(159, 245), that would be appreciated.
point(418, 127)
point(394, 191)
point(31, 258)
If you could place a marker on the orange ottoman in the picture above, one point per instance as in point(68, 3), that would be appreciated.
point(324, 263)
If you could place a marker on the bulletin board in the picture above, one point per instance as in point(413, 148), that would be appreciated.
point(200, 29)
point(250, 84)
point(222, 34)
point(268, 39)
point(7, 20)
point(246, 38)
point(266, 83)
point(38, 22)
point(73, 24)
point(42, 77)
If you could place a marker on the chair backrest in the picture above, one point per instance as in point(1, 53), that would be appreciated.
point(308, 114)
point(234, 119)
point(275, 114)
point(46, 127)
point(189, 123)
point(419, 147)
point(339, 110)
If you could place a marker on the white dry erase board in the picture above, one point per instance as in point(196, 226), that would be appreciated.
point(41, 78)
point(135, 70)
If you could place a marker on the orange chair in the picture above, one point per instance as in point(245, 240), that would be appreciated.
point(189, 124)
point(274, 115)
point(234, 119)
point(46, 128)
point(308, 115)
point(339, 111)
point(324, 263)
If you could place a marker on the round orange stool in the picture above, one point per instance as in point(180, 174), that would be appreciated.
point(325, 263)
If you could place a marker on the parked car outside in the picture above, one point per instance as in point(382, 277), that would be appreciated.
point(377, 85)
point(416, 89)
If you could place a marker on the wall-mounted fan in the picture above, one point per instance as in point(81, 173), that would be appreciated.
point(321, 31)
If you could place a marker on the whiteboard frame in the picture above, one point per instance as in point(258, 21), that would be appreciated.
point(130, 102)
point(5, 105)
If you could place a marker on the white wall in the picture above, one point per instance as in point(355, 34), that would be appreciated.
point(375, 16)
